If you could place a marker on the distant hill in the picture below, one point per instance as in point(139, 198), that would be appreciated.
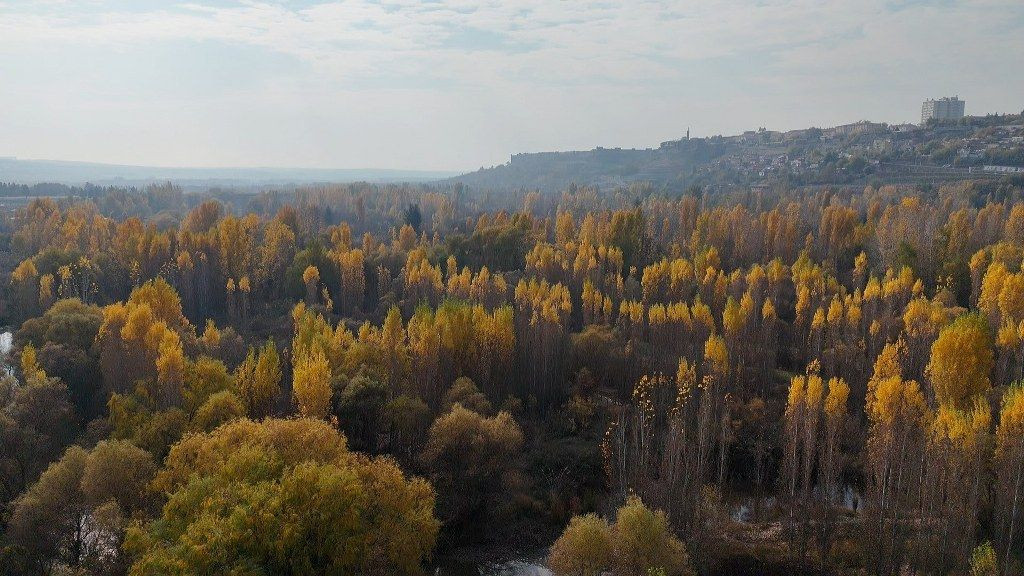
point(859, 153)
point(604, 167)
point(20, 171)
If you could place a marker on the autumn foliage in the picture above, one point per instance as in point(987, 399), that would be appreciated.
point(348, 379)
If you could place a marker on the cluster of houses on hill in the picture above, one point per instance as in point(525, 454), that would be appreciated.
point(850, 151)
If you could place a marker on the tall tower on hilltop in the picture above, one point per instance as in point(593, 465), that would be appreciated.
point(942, 109)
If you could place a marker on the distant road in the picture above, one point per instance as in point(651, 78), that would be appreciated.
point(912, 173)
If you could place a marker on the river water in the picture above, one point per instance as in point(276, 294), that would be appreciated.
point(513, 568)
point(518, 565)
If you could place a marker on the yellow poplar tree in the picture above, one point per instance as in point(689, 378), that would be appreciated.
point(1009, 464)
point(311, 384)
point(961, 362)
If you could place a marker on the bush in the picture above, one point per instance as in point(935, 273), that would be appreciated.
point(983, 561)
point(584, 549)
point(639, 543)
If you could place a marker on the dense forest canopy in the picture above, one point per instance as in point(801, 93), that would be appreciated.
point(360, 379)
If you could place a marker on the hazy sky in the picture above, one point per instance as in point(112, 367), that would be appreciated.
point(460, 84)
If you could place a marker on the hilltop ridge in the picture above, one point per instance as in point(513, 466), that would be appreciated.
point(859, 152)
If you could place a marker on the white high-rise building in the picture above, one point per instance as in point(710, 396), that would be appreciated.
point(942, 109)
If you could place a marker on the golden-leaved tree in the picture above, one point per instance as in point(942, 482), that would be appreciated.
point(1009, 466)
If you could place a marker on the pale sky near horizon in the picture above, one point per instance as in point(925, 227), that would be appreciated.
point(455, 84)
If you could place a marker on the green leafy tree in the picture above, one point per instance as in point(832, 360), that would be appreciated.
point(77, 513)
point(467, 455)
point(983, 561)
point(258, 379)
point(283, 497)
point(465, 392)
point(218, 409)
point(360, 410)
point(37, 421)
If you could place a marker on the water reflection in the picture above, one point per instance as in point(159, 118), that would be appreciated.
point(845, 495)
point(851, 498)
point(6, 342)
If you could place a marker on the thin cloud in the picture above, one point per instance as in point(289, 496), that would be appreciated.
point(610, 67)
